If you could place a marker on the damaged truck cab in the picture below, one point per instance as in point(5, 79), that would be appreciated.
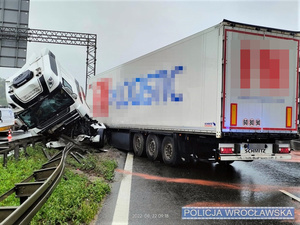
point(48, 100)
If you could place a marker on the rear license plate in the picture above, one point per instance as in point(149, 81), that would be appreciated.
point(261, 149)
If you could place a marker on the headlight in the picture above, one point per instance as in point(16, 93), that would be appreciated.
point(10, 89)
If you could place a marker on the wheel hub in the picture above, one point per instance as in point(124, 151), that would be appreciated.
point(152, 147)
point(138, 143)
point(168, 151)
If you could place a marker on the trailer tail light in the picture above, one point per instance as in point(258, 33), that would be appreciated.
point(284, 150)
point(288, 117)
point(226, 150)
point(233, 114)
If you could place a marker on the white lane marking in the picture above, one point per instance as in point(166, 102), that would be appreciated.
point(290, 195)
point(121, 214)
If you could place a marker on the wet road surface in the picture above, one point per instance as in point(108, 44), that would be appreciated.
point(159, 192)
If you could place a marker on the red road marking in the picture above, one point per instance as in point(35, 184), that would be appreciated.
point(182, 180)
point(217, 184)
point(214, 184)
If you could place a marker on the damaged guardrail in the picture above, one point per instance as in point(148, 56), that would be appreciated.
point(35, 193)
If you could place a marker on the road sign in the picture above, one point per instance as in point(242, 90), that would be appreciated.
point(13, 13)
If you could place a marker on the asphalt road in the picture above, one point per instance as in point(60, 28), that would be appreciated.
point(157, 192)
point(146, 192)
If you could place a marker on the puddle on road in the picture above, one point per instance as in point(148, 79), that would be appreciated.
point(295, 157)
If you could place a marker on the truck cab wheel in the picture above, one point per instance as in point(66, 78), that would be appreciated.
point(138, 144)
point(169, 152)
point(153, 147)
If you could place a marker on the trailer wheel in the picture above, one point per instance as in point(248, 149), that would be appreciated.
point(153, 147)
point(169, 152)
point(138, 144)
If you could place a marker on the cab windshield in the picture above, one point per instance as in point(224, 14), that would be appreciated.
point(46, 109)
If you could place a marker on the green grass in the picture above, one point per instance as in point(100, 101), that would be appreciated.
point(103, 167)
point(18, 170)
point(76, 199)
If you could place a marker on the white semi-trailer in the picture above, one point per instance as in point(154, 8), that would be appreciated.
point(227, 93)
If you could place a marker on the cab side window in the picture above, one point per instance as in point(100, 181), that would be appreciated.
point(66, 84)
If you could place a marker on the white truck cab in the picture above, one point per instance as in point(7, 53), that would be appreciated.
point(46, 98)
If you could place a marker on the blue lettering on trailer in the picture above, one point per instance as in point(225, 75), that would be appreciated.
point(152, 89)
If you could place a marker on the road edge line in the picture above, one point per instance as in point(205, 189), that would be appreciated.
point(290, 195)
point(121, 213)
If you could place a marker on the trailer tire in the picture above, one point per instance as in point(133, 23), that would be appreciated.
point(153, 147)
point(169, 151)
point(138, 143)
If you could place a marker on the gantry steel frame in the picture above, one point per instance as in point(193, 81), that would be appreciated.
point(56, 37)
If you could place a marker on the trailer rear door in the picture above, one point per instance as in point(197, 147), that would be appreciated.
point(260, 89)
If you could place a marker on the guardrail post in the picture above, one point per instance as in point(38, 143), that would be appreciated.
point(25, 147)
point(17, 152)
point(46, 154)
point(4, 159)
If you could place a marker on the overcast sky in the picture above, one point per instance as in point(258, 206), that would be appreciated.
point(129, 29)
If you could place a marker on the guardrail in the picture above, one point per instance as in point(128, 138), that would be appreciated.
point(34, 194)
point(15, 145)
